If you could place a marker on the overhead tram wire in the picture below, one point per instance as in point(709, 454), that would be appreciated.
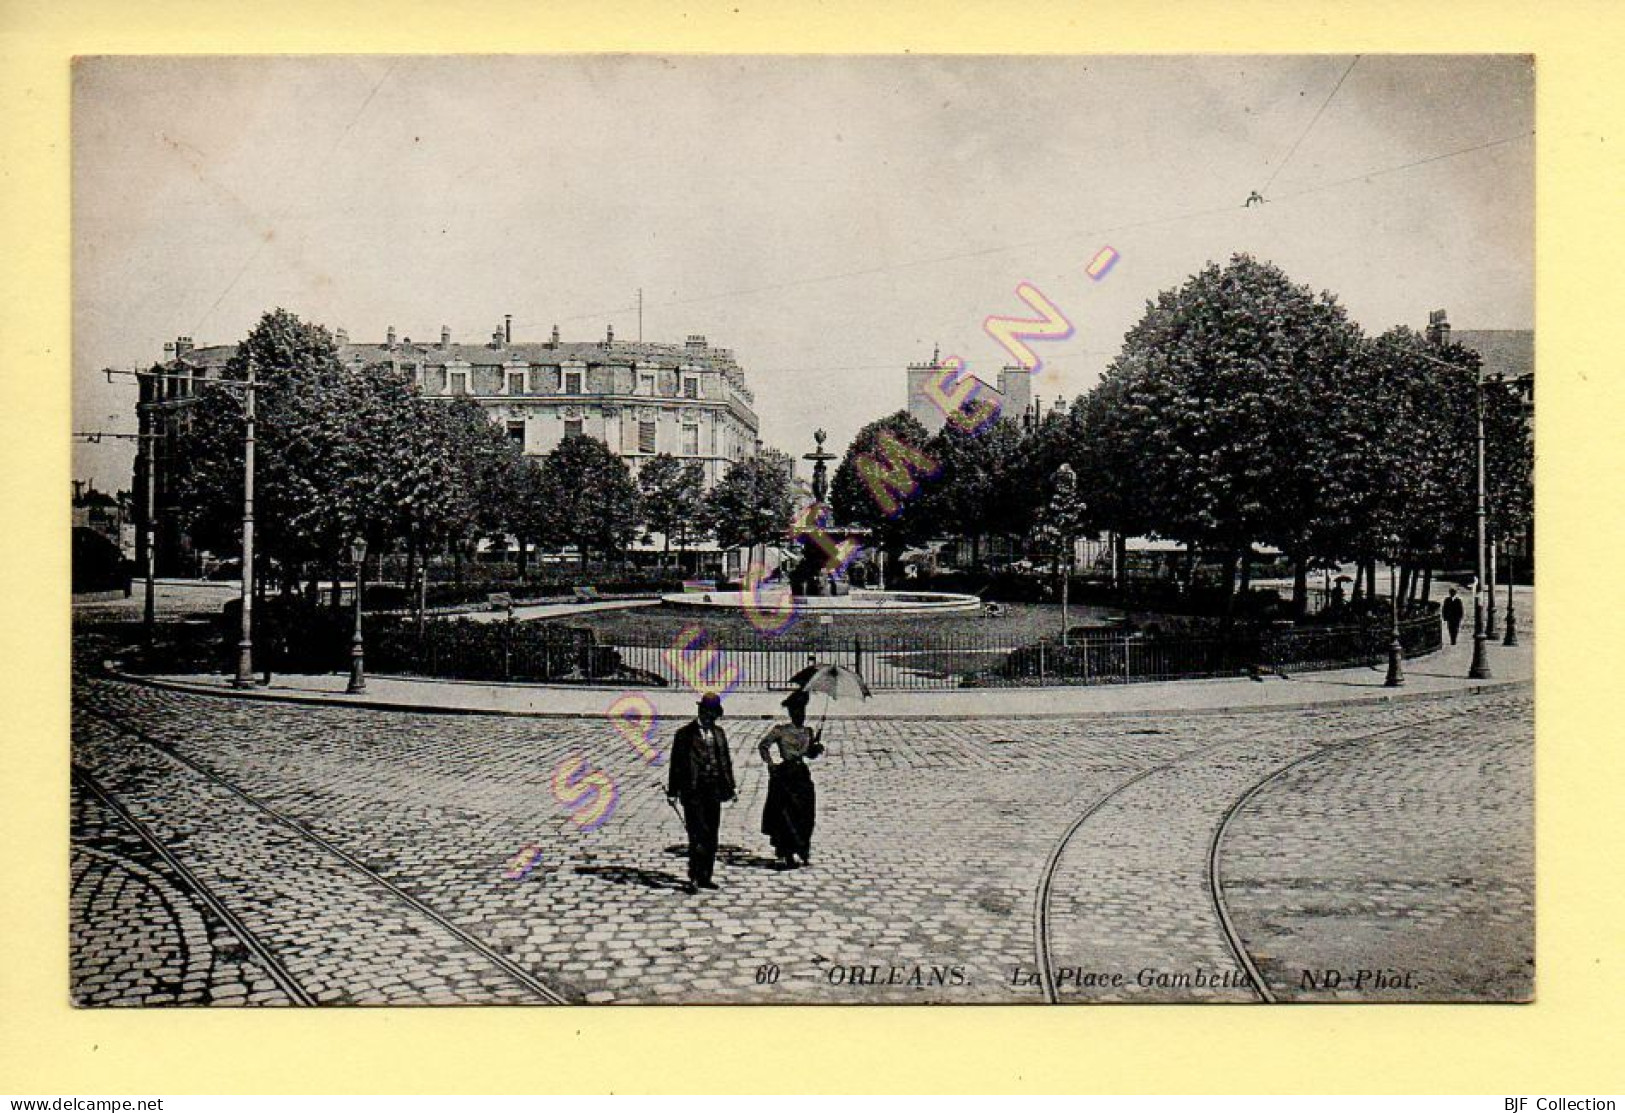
point(1312, 122)
point(1227, 209)
point(1406, 166)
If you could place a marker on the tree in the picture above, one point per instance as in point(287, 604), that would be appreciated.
point(754, 502)
point(673, 499)
point(590, 499)
point(310, 417)
point(969, 497)
point(879, 480)
point(1224, 404)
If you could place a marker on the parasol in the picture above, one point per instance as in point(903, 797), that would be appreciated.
point(833, 681)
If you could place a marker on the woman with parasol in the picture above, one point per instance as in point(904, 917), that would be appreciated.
point(792, 803)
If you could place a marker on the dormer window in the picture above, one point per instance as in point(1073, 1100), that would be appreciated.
point(572, 382)
point(516, 380)
point(457, 380)
point(646, 383)
point(691, 386)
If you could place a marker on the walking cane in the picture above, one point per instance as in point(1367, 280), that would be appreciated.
point(672, 804)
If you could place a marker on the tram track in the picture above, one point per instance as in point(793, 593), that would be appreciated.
point(1043, 929)
point(274, 967)
point(169, 751)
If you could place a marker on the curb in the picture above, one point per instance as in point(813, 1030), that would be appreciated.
point(111, 669)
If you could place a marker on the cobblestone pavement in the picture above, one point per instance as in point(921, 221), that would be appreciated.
point(140, 934)
point(1401, 870)
point(933, 840)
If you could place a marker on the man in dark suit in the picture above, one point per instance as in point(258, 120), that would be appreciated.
point(1452, 614)
point(702, 777)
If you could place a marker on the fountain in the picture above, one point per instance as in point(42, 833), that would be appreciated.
point(817, 589)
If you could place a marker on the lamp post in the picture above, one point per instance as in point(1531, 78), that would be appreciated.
point(1396, 648)
point(1480, 668)
point(1512, 619)
point(358, 672)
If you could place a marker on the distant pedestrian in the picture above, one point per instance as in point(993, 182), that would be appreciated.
point(702, 778)
point(792, 803)
point(1452, 613)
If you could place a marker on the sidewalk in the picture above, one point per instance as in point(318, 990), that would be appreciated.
point(1438, 675)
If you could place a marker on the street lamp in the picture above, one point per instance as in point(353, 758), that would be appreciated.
point(358, 672)
point(1512, 619)
point(1480, 668)
point(1396, 648)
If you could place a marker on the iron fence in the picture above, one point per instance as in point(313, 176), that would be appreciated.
point(557, 652)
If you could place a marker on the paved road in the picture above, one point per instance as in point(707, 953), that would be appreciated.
point(359, 856)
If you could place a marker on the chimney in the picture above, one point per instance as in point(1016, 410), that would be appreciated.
point(445, 336)
point(342, 336)
point(496, 338)
point(609, 336)
point(1438, 328)
point(169, 351)
point(183, 347)
point(695, 341)
point(555, 341)
point(389, 337)
point(507, 327)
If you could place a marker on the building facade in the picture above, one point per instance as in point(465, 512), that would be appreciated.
point(1506, 354)
point(688, 400)
point(1014, 394)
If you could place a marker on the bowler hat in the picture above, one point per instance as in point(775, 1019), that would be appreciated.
point(711, 702)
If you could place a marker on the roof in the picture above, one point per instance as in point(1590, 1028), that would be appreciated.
point(1508, 352)
point(619, 352)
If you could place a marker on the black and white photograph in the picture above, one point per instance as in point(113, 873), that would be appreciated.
point(819, 529)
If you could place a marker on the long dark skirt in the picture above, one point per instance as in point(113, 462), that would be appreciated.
point(792, 808)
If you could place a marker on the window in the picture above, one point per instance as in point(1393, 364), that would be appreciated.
point(457, 381)
point(572, 382)
point(517, 381)
point(691, 387)
point(691, 440)
point(516, 433)
point(646, 436)
point(572, 427)
point(646, 383)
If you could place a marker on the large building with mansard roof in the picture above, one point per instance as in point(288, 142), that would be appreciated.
point(689, 400)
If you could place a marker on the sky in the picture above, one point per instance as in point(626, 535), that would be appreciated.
point(829, 219)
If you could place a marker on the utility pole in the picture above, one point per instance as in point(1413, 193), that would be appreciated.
point(245, 659)
point(640, 314)
point(245, 645)
point(1480, 668)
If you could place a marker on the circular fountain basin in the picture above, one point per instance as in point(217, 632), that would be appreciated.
point(859, 602)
